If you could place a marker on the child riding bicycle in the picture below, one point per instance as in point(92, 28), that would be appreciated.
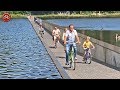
point(87, 45)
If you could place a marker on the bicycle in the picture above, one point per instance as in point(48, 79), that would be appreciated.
point(41, 33)
point(87, 56)
point(72, 58)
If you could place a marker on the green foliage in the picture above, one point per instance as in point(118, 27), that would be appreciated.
point(72, 12)
point(16, 12)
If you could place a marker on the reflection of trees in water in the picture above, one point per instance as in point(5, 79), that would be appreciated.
point(104, 35)
point(117, 37)
point(101, 35)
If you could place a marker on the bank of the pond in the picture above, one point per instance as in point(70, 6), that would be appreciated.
point(57, 16)
point(16, 16)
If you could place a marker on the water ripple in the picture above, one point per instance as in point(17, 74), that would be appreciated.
point(22, 54)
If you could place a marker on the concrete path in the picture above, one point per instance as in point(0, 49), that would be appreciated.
point(83, 71)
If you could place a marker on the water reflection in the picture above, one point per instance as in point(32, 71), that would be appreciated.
point(117, 38)
point(104, 35)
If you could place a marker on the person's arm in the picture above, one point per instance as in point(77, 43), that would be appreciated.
point(63, 36)
point(65, 40)
point(92, 45)
point(83, 45)
point(53, 32)
point(59, 32)
point(78, 40)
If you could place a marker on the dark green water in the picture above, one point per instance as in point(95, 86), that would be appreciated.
point(104, 35)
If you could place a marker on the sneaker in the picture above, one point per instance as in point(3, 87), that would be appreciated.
point(58, 41)
point(66, 63)
point(75, 58)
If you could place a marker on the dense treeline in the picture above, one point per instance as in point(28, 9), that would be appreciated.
point(59, 12)
point(73, 12)
point(16, 12)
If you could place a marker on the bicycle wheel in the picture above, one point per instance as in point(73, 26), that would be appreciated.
point(88, 60)
point(70, 59)
point(55, 46)
point(73, 61)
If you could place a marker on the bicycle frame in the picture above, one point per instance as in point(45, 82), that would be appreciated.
point(41, 33)
point(87, 56)
point(71, 57)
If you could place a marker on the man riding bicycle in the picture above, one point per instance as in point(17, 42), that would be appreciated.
point(69, 40)
point(56, 34)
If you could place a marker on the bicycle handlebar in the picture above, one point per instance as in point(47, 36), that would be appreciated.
point(88, 48)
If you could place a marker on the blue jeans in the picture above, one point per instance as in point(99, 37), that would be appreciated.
point(68, 49)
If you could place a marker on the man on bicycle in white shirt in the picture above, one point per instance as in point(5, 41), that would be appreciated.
point(69, 39)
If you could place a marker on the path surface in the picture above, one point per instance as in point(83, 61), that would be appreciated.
point(83, 71)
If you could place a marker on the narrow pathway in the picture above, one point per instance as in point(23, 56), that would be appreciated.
point(83, 71)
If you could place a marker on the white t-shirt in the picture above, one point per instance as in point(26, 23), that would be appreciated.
point(56, 32)
point(71, 35)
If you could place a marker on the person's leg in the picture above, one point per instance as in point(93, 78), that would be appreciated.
point(90, 52)
point(84, 54)
point(75, 50)
point(54, 39)
point(67, 53)
point(43, 32)
point(58, 37)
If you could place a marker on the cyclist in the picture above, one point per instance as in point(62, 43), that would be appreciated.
point(64, 36)
point(35, 19)
point(41, 30)
point(40, 21)
point(87, 45)
point(69, 40)
point(56, 34)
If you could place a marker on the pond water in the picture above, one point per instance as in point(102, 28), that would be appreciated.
point(22, 54)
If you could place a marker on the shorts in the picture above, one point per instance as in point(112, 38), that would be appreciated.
point(55, 37)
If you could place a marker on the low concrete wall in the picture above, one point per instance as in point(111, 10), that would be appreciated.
point(103, 51)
